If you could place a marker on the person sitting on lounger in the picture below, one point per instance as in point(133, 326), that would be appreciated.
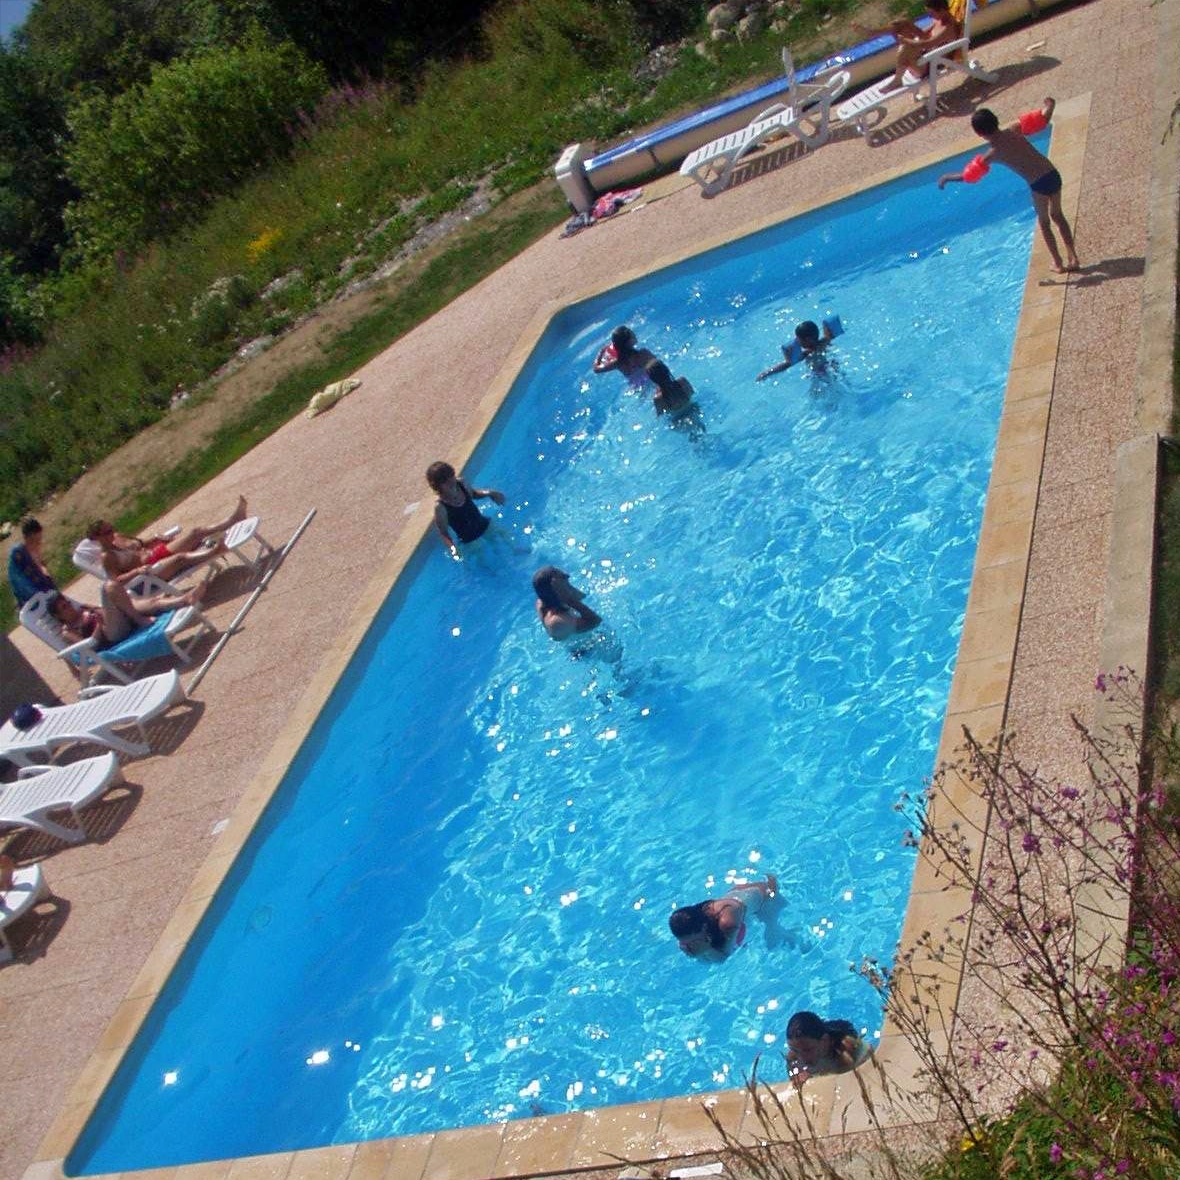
point(912, 41)
point(125, 557)
point(119, 615)
point(27, 572)
point(624, 354)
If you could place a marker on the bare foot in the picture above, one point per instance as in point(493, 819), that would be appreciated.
point(239, 512)
point(196, 593)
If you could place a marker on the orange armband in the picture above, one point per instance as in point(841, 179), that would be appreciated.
point(976, 170)
point(1033, 121)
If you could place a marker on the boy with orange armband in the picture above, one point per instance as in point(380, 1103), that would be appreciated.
point(1008, 146)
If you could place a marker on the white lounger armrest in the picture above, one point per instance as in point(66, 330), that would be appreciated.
point(97, 690)
point(946, 50)
point(76, 649)
point(31, 771)
point(770, 111)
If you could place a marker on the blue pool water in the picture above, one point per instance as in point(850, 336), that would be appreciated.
point(455, 909)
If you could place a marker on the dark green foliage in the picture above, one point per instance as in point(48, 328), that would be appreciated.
point(155, 156)
point(1166, 638)
point(20, 313)
point(33, 187)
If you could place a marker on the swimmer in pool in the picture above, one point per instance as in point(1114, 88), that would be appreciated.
point(561, 607)
point(455, 511)
point(712, 930)
point(809, 344)
point(624, 354)
point(673, 395)
point(817, 1046)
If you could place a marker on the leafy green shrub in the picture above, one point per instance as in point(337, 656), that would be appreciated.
point(153, 157)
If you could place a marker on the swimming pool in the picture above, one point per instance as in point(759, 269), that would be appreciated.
point(481, 830)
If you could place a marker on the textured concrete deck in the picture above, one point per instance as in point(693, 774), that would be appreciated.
point(361, 466)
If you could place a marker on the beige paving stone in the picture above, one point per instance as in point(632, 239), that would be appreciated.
point(323, 1163)
point(890, 1095)
point(685, 1127)
point(615, 1133)
point(373, 1158)
point(458, 1155)
point(787, 1113)
point(260, 1167)
point(408, 1157)
point(979, 683)
point(1012, 501)
point(997, 588)
point(538, 1145)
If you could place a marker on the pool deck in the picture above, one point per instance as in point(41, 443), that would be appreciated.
point(1070, 499)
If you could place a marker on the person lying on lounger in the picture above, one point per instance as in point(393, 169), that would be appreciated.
point(912, 41)
point(125, 557)
point(119, 615)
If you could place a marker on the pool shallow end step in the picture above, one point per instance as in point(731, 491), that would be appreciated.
point(582, 176)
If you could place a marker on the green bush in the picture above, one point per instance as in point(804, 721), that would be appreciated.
point(153, 157)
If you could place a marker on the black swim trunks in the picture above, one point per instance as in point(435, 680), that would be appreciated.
point(1048, 184)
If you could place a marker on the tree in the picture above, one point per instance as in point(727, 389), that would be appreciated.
point(33, 186)
point(153, 157)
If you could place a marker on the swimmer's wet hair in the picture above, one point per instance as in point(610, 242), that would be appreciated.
point(438, 473)
point(623, 339)
point(984, 122)
point(543, 585)
point(808, 330)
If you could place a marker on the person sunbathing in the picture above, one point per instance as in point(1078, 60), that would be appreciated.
point(119, 615)
point(124, 557)
point(913, 42)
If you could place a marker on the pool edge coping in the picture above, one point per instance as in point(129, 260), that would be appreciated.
point(979, 692)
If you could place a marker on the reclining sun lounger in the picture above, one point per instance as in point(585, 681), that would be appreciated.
point(101, 710)
point(42, 789)
point(939, 63)
point(87, 555)
point(805, 115)
point(27, 889)
point(148, 643)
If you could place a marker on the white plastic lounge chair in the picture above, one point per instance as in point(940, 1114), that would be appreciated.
point(100, 710)
point(42, 789)
point(939, 62)
point(149, 643)
point(87, 555)
point(27, 889)
point(805, 115)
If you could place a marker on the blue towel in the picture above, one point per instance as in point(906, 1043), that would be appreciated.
point(144, 644)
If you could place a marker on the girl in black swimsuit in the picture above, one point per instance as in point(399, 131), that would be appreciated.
point(455, 511)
